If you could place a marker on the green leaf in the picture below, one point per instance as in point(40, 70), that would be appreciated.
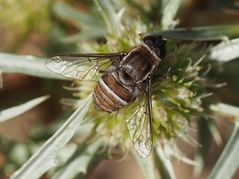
point(45, 157)
point(164, 164)
point(81, 163)
point(228, 162)
point(112, 13)
point(25, 64)
point(225, 51)
point(20, 109)
point(200, 33)
point(1, 82)
point(85, 19)
point(169, 10)
point(215, 133)
point(146, 166)
point(226, 109)
point(204, 139)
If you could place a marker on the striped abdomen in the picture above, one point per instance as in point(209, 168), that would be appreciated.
point(110, 95)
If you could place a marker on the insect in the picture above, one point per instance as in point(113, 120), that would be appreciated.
point(122, 78)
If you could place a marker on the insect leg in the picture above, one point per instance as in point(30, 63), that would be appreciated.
point(149, 105)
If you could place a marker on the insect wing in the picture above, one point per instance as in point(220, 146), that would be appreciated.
point(139, 124)
point(82, 66)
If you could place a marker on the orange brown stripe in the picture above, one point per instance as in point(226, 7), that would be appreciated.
point(117, 88)
point(101, 94)
point(106, 99)
point(100, 104)
point(111, 99)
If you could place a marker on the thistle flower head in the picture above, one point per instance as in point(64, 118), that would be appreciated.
point(177, 84)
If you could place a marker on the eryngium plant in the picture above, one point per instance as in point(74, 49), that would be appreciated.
point(178, 84)
point(180, 92)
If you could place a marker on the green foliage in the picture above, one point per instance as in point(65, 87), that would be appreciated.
point(181, 88)
point(18, 110)
point(147, 166)
point(45, 157)
point(228, 162)
point(202, 33)
point(86, 22)
point(164, 164)
point(225, 51)
point(29, 65)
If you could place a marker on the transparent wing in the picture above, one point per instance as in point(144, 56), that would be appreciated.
point(82, 66)
point(140, 126)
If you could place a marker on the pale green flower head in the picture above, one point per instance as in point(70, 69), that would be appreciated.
point(177, 87)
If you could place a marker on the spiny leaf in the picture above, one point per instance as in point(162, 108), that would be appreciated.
point(200, 33)
point(204, 140)
point(20, 109)
point(69, 13)
point(169, 10)
point(226, 109)
point(228, 162)
point(25, 64)
point(146, 166)
point(81, 163)
point(44, 158)
point(164, 164)
point(225, 51)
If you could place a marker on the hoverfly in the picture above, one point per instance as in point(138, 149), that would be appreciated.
point(122, 78)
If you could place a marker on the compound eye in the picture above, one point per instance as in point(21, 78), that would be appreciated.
point(157, 51)
point(148, 42)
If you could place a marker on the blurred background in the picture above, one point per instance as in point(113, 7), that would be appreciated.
point(43, 28)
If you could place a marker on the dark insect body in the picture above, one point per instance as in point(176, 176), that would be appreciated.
point(123, 78)
point(122, 84)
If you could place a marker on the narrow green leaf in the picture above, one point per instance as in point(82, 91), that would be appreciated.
point(165, 166)
point(225, 51)
point(215, 133)
point(226, 109)
point(228, 162)
point(112, 13)
point(69, 13)
point(45, 157)
point(1, 81)
point(25, 64)
point(204, 139)
point(18, 110)
point(146, 166)
point(169, 10)
point(200, 33)
point(81, 163)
